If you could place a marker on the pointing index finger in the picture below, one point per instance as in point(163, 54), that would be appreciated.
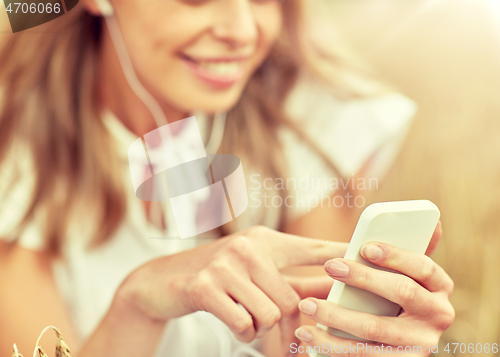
point(289, 250)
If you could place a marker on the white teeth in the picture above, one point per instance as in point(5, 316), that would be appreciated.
point(222, 68)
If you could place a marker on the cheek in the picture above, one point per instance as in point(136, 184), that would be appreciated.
point(157, 40)
point(154, 39)
point(269, 18)
point(155, 31)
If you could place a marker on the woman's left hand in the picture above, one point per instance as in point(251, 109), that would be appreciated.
point(423, 292)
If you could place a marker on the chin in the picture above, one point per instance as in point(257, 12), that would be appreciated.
point(213, 102)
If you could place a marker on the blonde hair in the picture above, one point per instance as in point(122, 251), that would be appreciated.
point(50, 79)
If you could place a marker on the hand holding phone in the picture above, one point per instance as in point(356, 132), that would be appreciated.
point(408, 225)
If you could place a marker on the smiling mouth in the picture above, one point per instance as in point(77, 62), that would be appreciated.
point(221, 68)
point(217, 71)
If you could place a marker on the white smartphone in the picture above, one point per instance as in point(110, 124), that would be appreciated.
point(408, 225)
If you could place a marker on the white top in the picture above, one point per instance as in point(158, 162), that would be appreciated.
point(350, 133)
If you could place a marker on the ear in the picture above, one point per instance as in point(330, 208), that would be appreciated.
point(99, 7)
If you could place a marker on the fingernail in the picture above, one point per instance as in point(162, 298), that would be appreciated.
point(371, 251)
point(308, 307)
point(303, 335)
point(336, 268)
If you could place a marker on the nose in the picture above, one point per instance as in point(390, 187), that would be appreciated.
point(235, 23)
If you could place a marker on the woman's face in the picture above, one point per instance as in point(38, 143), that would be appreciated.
point(198, 54)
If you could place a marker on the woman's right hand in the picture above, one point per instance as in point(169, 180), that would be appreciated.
point(241, 268)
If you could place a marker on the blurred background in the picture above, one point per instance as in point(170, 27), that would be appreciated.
point(445, 55)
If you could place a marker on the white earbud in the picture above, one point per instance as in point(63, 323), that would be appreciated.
point(105, 7)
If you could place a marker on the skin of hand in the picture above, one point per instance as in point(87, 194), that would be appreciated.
point(422, 290)
point(242, 268)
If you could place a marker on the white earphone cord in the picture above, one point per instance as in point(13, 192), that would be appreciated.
point(130, 75)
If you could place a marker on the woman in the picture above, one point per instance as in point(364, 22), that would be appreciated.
point(69, 115)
